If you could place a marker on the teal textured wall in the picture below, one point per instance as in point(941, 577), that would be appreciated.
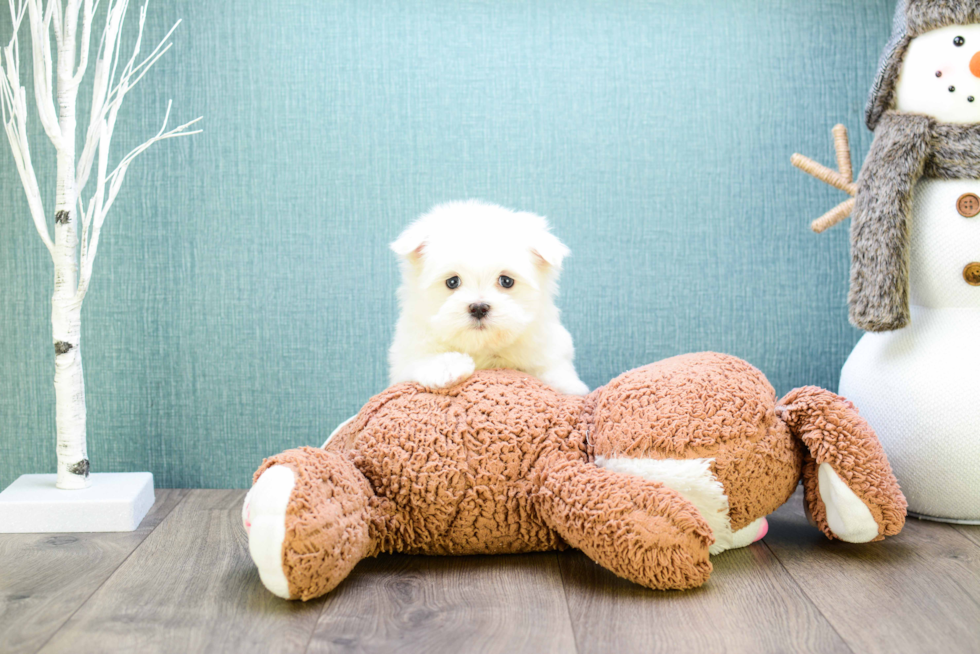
point(243, 298)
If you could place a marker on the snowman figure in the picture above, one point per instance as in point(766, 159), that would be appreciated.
point(915, 249)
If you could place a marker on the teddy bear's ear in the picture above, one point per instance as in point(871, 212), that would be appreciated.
point(547, 250)
point(848, 486)
point(411, 244)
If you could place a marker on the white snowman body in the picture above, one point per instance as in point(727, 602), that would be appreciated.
point(917, 386)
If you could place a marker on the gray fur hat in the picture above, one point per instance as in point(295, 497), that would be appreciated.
point(912, 18)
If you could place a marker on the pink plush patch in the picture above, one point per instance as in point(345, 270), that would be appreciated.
point(763, 530)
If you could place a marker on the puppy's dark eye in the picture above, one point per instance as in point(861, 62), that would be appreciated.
point(959, 41)
point(453, 283)
point(505, 281)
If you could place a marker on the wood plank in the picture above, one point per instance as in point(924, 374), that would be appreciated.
point(44, 578)
point(399, 603)
point(750, 604)
point(972, 532)
point(191, 587)
point(916, 592)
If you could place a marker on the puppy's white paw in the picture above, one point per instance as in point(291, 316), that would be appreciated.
point(567, 384)
point(847, 516)
point(445, 370)
point(264, 516)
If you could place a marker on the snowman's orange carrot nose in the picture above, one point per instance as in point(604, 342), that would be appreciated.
point(975, 65)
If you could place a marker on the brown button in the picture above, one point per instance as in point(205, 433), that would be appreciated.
point(968, 205)
point(972, 274)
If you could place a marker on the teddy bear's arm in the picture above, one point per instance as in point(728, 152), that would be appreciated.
point(639, 529)
point(324, 526)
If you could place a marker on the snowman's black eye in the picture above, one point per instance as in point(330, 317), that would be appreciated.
point(505, 281)
point(952, 89)
point(959, 41)
point(970, 99)
point(939, 73)
point(453, 283)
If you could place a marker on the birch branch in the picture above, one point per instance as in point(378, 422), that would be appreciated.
point(40, 21)
point(70, 26)
point(108, 97)
point(86, 41)
point(108, 93)
point(92, 222)
point(54, 6)
point(103, 199)
point(100, 89)
point(13, 108)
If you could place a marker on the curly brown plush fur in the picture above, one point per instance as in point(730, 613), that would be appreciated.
point(834, 433)
point(502, 463)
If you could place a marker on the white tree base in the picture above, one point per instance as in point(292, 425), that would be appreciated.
point(116, 501)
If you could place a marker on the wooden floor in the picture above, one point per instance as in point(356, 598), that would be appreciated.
point(184, 582)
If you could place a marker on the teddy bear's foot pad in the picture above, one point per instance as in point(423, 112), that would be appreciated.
point(847, 516)
point(264, 516)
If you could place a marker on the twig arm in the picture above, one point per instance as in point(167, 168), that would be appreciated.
point(836, 215)
point(824, 174)
point(842, 146)
point(842, 179)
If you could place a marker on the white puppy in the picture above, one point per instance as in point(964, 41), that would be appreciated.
point(478, 287)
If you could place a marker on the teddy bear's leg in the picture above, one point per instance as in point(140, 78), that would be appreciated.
point(849, 489)
point(639, 529)
point(308, 518)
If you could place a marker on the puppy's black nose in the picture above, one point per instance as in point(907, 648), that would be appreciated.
point(479, 310)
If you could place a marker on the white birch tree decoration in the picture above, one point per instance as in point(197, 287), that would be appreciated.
point(67, 25)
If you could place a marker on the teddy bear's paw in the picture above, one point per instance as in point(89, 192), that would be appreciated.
point(445, 370)
point(847, 516)
point(264, 516)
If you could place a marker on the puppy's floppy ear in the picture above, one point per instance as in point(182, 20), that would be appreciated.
point(411, 244)
point(548, 251)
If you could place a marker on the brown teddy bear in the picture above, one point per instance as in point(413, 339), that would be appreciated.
point(646, 475)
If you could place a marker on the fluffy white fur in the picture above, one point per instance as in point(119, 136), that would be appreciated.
point(438, 341)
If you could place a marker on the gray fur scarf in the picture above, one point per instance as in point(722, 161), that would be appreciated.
point(906, 148)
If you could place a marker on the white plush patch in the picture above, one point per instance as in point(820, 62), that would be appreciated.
point(692, 478)
point(264, 515)
point(749, 534)
point(848, 517)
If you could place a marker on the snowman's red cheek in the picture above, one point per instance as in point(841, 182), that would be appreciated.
point(975, 65)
